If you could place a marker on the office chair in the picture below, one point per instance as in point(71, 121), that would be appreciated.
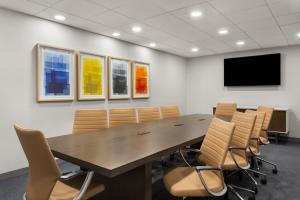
point(122, 116)
point(89, 120)
point(45, 181)
point(237, 158)
point(170, 111)
point(254, 149)
point(148, 114)
point(264, 139)
point(202, 181)
point(225, 111)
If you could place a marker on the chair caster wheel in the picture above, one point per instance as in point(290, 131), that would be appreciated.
point(251, 198)
point(263, 181)
point(254, 188)
point(256, 175)
point(275, 171)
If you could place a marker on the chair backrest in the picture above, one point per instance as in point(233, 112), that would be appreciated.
point(225, 109)
point(43, 170)
point(269, 113)
point(169, 111)
point(260, 117)
point(89, 120)
point(215, 144)
point(121, 116)
point(244, 123)
point(148, 114)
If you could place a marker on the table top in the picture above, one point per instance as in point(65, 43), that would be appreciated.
point(113, 151)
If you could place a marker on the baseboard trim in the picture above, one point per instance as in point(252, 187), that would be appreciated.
point(20, 172)
point(293, 139)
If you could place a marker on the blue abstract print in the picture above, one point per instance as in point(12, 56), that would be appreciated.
point(56, 73)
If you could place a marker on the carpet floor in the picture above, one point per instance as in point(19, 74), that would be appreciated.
point(283, 186)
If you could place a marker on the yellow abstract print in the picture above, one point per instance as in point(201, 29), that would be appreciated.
point(141, 79)
point(92, 77)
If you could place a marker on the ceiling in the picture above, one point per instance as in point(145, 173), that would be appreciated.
point(169, 24)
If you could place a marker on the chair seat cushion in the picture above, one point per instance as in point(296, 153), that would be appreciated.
point(67, 190)
point(229, 163)
point(185, 181)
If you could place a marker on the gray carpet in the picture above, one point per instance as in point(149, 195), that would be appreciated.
point(284, 186)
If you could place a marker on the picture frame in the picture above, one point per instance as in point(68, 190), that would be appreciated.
point(91, 76)
point(140, 80)
point(55, 73)
point(119, 78)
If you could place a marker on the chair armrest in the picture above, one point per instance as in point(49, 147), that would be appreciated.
point(213, 168)
point(231, 149)
point(85, 185)
point(70, 175)
point(187, 149)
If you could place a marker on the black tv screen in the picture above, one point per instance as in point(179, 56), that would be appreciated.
point(252, 70)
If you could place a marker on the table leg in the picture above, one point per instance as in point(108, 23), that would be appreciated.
point(132, 185)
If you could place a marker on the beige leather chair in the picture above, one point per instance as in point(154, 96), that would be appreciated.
point(237, 157)
point(148, 114)
point(121, 116)
point(169, 111)
point(44, 181)
point(89, 120)
point(264, 139)
point(204, 180)
point(254, 140)
point(263, 134)
point(225, 111)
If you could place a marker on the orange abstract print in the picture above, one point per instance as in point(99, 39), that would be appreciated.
point(141, 79)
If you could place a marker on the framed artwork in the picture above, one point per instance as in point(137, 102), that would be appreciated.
point(140, 80)
point(119, 78)
point(91, 71)
point(55, 74)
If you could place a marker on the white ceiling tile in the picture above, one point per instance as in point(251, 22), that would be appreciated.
point(91, 26)
point(227, 6)
point(254, 26)
point(133, 10)
point(79, 8)
point(176, 27)
point(215, 46)
point(254, 14)
point(285, 7)
point(113, 3)
point(111, 18)
point(170, 5)
point(291, 32)
point(45, 2)
point(288, 19)
point(272, 41)
point(249, 44)
point(22, 6)
point(71, 20)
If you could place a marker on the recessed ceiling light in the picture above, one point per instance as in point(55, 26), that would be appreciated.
point(195, 49)
point(116, 34)
point(240, 43)
point(223, 31)
point(60, 17)
point(298, 35)
point(196, 13)
point(152, 44)
point(136, 29)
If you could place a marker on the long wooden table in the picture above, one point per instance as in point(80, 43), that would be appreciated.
point(122, 156)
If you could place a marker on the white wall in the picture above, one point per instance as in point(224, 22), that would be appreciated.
point(205, 85)
point(18, 36)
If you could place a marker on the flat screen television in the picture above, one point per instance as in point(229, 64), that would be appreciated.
point(252, 70)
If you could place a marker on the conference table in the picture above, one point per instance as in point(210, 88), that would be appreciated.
point(122, 157)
